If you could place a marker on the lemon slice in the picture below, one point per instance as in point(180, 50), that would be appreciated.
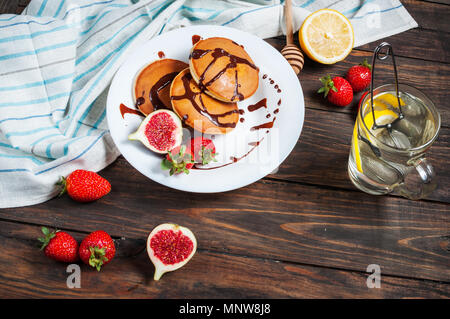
point(382, 117)
point(384, 101)
point(355, 146)
point(326, 36)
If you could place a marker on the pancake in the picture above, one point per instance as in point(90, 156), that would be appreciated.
point(152, 85)
point(223, 69)
point(199, 110)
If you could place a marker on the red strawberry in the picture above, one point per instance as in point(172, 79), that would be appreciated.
point(203, 149)
point(97, 249)
point(359, 76)
point(59, 245)
point(85, 186)
point(337, 90)
point(178, 160)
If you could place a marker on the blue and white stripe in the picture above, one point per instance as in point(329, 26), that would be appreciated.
point(58, 57)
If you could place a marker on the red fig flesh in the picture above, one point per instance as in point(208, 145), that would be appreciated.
point(160, 131)
point(170, 247)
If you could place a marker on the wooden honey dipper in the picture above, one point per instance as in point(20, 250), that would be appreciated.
point(291, 52)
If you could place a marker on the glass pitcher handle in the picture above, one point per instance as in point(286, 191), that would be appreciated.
point(419, 181)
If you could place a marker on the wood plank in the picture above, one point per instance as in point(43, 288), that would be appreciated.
point(24, 3)
point(446, 2)
point(19, 10)
point(8, 6)
point(207, 275)
point(415, 43)
point(429, 15)
point(269, 219)
point(321, 154)
point(419, 44)
point(426, 76)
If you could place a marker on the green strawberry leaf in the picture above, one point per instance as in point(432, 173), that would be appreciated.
point(97, 258)
point(328, 84)
point(207, 155)
point(47, 237)
point(166, 164)
point(45, 230)
point(366, 64)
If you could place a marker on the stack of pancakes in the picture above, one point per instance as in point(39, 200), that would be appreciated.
point(204, 94)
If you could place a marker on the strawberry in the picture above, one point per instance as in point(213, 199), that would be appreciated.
point(97, 249)
point(337, 90)
point(359, 76)
point(85, 186)
point(203, 149)
point(59, 245)
point(178, 160)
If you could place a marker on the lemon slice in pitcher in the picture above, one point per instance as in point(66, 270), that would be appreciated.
point(382, 117)
point(326, 36)
point(355, 146)
point(384, 101)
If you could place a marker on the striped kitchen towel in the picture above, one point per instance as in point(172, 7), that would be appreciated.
point(58, 58)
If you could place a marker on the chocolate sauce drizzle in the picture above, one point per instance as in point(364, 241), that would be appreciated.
point(195, 39)
point(191, 95)
point(232, 158)
point(140, 101)
point(257, 106)
point(264, 125)
point(234, 61)
point(125, 109)
point(158, 86)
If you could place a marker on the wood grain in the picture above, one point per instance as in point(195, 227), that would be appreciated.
point(427, 76)
point(429, 15)
point(8, 6)
point(418, 44)
point(321, 154)
point(208, 275)
point(301, 232)
point(269, 219)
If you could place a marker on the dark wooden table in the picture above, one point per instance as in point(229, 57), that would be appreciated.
point(302, 232)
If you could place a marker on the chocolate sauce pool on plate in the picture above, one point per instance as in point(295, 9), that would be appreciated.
point(125, 109)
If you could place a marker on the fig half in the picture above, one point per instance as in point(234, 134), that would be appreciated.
point(161, 131)
point(170, 247)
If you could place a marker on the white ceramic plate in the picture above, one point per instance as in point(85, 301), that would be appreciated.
point(275, 143)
